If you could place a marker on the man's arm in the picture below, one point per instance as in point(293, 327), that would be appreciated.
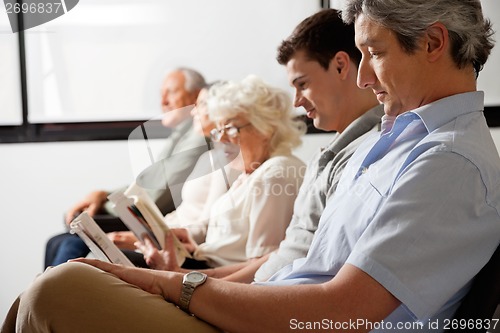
point(92, 203)
point(349, 296)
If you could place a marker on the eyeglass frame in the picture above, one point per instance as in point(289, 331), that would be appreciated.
point(231, 131)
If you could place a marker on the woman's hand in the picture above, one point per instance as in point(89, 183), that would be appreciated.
point(154, 282)
point(185, 238)
point(165, 259)
point(123, 239)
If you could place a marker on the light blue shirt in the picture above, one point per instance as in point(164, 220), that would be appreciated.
point(419, 212)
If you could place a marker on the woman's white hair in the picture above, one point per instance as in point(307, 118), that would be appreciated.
point(267, 108)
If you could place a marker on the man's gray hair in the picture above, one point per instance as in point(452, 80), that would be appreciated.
point(471, 35)
point(194, 80)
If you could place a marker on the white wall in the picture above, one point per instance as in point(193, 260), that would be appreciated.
point(39, 181)
point(488, 78)
point(495, 132)
point(223, 39)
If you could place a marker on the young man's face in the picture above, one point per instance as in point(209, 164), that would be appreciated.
point(396, 77)
point(318, 91)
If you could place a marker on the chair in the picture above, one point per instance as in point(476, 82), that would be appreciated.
point(483, 297)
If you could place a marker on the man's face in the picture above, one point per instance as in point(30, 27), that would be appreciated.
point(175, 98)
point(317, 90)
point(174, 94)
point(396, 77)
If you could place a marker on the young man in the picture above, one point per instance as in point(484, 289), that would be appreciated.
point(322, 61)
point(415, 215)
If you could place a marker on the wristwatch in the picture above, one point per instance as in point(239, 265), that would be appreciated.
point(189, 283)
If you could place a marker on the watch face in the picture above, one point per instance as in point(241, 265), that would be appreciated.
point(195, 277)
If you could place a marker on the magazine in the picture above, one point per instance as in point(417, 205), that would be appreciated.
point(97, 241)
point(141, 215)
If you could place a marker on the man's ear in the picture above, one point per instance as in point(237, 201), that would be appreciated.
point(193, 96)
point(341, 64)
point(437, 41)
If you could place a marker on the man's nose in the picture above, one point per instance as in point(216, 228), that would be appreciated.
point(298, 100)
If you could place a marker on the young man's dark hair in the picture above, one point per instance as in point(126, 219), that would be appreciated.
point(321, 37)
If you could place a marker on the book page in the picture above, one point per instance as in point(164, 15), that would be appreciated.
point(97, 241)
point(144, 219)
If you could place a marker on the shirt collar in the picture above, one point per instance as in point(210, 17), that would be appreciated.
point(440, 112)
point(355, 129)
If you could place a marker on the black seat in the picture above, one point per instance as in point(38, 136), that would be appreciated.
point(484, 296)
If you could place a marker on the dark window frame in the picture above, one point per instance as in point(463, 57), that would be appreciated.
point(70, 131)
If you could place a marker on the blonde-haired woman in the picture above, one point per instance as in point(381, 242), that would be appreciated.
point(255, 125)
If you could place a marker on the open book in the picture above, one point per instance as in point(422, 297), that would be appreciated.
point(97, 241)
point(141, 215)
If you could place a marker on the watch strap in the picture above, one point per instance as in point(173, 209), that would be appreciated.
point(189, 283)
point(186, 294)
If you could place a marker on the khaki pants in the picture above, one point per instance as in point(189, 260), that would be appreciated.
point(76, 298)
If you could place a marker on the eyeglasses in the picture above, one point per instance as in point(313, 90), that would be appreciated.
point(230, 130)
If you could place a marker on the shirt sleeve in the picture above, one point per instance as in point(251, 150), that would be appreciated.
point(438, 218)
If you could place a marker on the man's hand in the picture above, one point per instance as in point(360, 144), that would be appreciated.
point(123, 239)
point(92, 204)
point(154, 282)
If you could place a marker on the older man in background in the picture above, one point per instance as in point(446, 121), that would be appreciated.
point(180, 152)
